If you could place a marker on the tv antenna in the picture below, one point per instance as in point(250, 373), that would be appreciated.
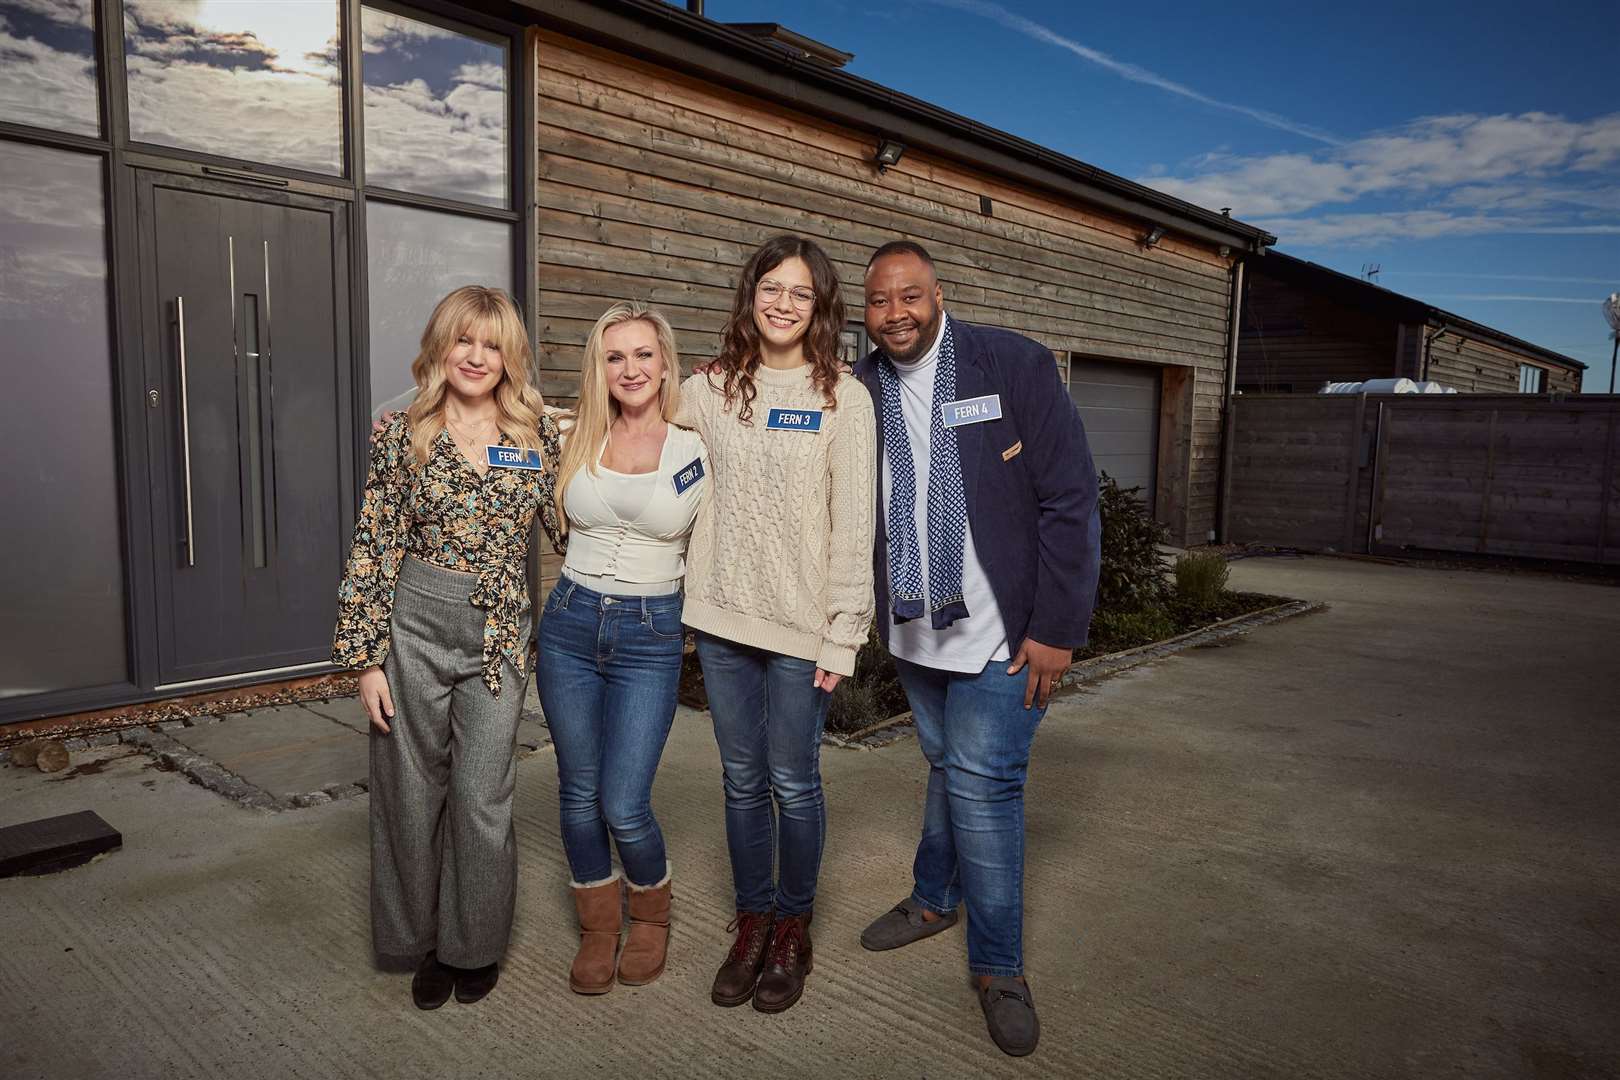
point(1369, 272)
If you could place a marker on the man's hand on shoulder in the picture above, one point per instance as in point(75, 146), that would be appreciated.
point(1046, 664)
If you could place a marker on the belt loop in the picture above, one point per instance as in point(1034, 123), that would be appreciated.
point(646, 615)
point(568, 593)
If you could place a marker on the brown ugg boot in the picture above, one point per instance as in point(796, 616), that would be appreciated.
point(601, 915)
point(642, 960)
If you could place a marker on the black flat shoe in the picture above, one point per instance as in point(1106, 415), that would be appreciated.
point(431, 985)
point(473, 983)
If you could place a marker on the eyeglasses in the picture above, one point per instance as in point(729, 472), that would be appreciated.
point(771, 291)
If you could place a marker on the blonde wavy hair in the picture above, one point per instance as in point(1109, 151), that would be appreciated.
point(484, 312)
point(597, 407)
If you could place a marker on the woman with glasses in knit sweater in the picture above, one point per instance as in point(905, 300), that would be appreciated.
point(779, 590)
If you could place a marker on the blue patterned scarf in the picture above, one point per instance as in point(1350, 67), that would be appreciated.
point(947, 501)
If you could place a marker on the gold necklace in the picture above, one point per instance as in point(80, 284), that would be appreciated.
point(461, 434)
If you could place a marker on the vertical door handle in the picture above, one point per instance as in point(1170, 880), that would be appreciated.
point(185, 426)
point(267, 338)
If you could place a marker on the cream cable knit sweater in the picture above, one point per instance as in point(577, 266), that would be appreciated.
point(781, 554)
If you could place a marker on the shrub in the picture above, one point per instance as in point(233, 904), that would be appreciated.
point(872, 694)
point(1133, 568)
point(1115, 631)
point(1201, 577)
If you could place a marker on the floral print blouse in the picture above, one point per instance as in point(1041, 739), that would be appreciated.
point(445, 514)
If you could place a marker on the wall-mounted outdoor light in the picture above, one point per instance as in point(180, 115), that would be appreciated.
point(1153, 237)
point(889, 152)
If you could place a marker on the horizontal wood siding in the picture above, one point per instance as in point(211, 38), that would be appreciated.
point(1293, 340)
point(1473, 366)
point(1491, 475)
point(657, 187)
point(1292, 467)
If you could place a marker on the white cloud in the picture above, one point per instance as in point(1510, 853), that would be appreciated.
point(1133, 72)
point(1467, 174)
point(1498, 277)
point(46, 87)
point(1513, 297)
point(67, 12)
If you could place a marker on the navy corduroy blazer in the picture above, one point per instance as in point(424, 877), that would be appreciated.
point(1031, 489)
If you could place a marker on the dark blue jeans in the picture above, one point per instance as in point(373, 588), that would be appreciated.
point(768, 716)
point(976, 735)
point(608, 670)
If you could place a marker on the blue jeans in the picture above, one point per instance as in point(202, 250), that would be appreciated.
point(768, 716)
point(608, 670)
point(976, 735)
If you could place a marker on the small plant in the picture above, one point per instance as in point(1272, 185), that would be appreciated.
point(1133, 567)
point(1201, 577)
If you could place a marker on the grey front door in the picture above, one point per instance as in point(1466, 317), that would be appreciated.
point(249, 422)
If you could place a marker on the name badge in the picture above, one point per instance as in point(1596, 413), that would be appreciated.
point(971, 410)
point(512, 457)
point(794, 420)
point(688, 476)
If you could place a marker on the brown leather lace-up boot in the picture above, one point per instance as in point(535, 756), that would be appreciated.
point(734, 982)
point(787, 962)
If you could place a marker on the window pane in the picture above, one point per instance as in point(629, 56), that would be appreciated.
point(435, 105)
point(62, 622)
point(414, 257)
point(253, 79)
point(48, 64)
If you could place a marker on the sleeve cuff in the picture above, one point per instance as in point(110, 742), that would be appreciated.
point(837, 659)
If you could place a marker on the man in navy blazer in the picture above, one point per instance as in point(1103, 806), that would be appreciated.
point(986, 563)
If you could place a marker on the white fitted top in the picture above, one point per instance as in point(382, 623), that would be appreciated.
point(647, 546)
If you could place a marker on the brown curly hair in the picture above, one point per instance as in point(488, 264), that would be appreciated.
point(739, 343)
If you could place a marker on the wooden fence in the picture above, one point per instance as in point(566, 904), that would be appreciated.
point(1489, 473)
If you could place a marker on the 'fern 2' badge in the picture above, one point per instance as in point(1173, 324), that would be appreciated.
point(688, 476)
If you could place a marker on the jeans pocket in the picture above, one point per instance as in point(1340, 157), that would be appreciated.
point(665, 622)
point(554, 601)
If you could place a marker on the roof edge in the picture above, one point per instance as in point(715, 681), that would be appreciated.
point(658, 31)
point(1414, 308)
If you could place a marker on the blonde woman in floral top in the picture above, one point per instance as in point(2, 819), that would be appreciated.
point(434, 613)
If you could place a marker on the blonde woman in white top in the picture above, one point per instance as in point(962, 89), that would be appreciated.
point(628, 488)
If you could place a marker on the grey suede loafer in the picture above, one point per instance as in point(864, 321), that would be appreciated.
point(901, 925)
point(1009, 1013)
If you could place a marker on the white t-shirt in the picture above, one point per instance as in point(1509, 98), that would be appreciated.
point(967, 645)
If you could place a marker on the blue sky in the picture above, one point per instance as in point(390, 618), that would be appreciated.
point(1470, 150)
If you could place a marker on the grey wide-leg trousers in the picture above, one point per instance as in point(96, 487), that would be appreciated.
point(443, 850)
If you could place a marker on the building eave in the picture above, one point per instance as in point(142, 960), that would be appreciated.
point(672, 37)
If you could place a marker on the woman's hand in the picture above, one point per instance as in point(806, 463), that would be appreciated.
point(827, 680)
point(374, 695)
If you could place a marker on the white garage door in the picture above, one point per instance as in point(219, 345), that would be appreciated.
point(1119, 404)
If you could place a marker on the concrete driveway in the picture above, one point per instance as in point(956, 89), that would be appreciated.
point(1381, 840)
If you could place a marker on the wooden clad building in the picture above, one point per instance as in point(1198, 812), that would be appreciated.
point(662, 166)
point(358, 161)
point(1304, 325)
